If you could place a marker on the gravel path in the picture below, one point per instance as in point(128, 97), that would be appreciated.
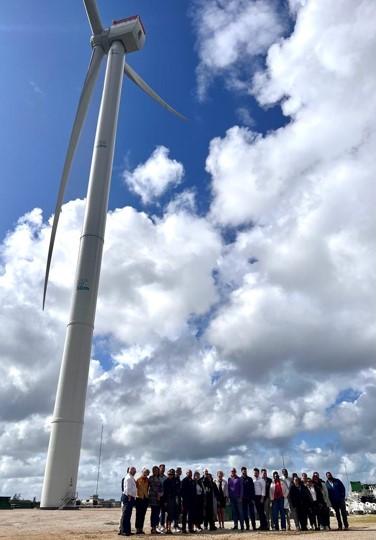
point(102, 524)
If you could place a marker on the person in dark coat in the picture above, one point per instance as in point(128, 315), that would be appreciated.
point(324, 516)
point(208, 484)
point(248, 500)
point(187, 497)
point(337, 495)
point(267, 502)
point(198, 501)
point(315, 505)
point(170, 494)
point(300, 501)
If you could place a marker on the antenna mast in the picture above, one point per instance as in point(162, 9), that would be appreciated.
point(99, 461)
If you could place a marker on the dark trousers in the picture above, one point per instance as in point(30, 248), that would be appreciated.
point(313, 515)
point(340, 509)
point(260, 511)
point(237, 511)
point(249, 513)
point(154, 516)
point(162, 515)
point(125, 522)
point(278, 508)
point(187, 516)
point(141, 507)
point(302, 515)
point(324, 516)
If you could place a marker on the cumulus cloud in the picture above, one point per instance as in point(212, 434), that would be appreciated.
point(230, 35)
point(152, 178)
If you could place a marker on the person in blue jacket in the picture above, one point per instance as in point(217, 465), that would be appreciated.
point(337, 495)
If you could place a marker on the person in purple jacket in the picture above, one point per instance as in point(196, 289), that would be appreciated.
point(235, 493)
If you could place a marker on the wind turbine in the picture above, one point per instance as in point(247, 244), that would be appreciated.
point(124, 36)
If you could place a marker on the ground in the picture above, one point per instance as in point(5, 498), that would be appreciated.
point(102, 524)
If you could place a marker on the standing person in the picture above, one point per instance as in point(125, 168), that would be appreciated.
point(187, 499)
point(316, 505)
point(267, 503)
point(278, 492)
point(162, 515)
point(300, 501)
point(170, 496)
point(305, 478)
point(324, 513)
point(155, 493)
point(215, 500)
point(198, 503)
point(235, 493)
point(248, 500)
point(178, 499)
point(259, 485)
point(288, 481)
point(207, 483)
point(128, 500)
point(337, 495)
point(221, 484)
point(142, 500)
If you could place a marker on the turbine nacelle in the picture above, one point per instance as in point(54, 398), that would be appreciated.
point(129, 31)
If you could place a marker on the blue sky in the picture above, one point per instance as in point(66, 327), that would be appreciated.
point(41, 90)
point(238, 276)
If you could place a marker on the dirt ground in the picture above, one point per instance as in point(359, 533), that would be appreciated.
point(102, 524)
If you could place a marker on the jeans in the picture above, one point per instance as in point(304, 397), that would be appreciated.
point(237, 511)
point(125, 521)
point(278, 507)
point(154, 516)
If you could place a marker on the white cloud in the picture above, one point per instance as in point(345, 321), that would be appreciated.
point(152, 178)
point(231, 34)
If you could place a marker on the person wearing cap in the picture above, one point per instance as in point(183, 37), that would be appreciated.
point(142, 500)
point(128, 501)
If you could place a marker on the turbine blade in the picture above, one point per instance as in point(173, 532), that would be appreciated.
point(95, 61)
point(149, 91)
point(93, 16)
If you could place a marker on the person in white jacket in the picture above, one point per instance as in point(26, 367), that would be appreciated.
point(278, 492)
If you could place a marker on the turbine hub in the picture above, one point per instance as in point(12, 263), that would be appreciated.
point(129, 31)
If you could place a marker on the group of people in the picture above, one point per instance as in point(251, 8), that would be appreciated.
point(198, 502)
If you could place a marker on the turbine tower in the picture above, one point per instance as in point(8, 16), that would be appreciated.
point(124, 36)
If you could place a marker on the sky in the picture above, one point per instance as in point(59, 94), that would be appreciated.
point(235, 321)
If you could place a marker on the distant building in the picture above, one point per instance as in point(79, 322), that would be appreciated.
point(363, 492)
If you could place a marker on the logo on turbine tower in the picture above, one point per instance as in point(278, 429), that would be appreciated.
point(83, 285)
